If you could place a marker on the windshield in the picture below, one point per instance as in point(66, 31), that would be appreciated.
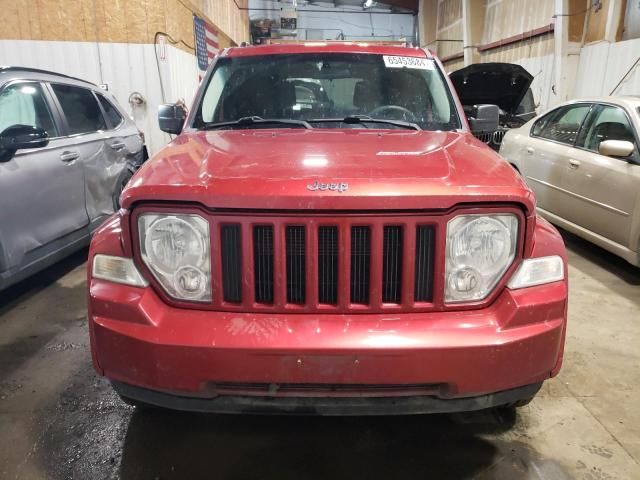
point(327, 89)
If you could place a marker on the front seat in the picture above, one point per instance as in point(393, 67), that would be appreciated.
point(367, 96)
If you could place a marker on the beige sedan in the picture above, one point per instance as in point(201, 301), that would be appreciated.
point(581, 159)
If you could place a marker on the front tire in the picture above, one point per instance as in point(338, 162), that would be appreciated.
point(121, 183)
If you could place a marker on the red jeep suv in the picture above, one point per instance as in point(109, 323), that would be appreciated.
point(325, 235)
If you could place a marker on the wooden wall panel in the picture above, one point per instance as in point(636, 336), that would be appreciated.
point(578, 12)
point(597, 22)
point(88, 22)
point(228, 18)
point(119, 21)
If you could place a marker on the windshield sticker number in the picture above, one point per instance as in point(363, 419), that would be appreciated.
point(391, 61)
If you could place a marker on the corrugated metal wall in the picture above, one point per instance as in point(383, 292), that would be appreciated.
point(505, 18)
point(602, 65)
point(124, 67)
point(449, 27)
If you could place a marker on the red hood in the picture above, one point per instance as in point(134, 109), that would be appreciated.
point(271, 169)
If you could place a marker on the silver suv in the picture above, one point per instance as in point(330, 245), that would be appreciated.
point(66, 151)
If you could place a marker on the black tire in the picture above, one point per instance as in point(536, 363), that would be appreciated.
point(123, 179)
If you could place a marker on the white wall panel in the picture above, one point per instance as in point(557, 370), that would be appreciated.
point(542, 70)
point(602, 65)
point(124, 67)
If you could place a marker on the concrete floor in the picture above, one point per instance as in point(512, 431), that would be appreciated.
point(58, 420)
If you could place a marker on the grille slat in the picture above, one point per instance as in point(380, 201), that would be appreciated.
point(296, 249)
point(230, 245)
point(263, 263)
point(392, 264)
point(328, 265)
point(424, 264)
point(360, 264)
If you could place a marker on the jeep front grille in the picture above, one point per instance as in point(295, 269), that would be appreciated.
point(322, 263)
point(484, 137)
point(498, 135)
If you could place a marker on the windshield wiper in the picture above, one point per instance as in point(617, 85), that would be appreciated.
point(255, 120)
point(367, 119)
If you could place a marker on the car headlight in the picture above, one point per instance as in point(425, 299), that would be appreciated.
point(177, 250)
point(480, 249)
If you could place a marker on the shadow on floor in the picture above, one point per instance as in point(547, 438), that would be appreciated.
point(167, 445)
point(601, 258)
point(27, 288)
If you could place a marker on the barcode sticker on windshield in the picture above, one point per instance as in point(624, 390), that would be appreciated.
point(391, 61)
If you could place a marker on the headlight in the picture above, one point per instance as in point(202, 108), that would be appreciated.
point(480, 249)
point(176, 248)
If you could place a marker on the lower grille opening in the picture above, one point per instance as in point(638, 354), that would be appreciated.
point(360, 264)
point(313, 389)
point(231, 263)
point(328, 265)
point(392, 265)
point(263, 263)
point(295, 237)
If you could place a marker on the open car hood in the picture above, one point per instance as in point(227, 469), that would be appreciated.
point(502, 84)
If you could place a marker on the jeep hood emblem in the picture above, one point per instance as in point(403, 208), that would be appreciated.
point(335, 187)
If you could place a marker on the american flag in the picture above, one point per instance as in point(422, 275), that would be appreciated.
point(206, 43)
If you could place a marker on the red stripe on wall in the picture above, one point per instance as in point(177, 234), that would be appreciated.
point(536, 32)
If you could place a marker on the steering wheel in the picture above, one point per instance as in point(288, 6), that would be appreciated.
point(407, 115)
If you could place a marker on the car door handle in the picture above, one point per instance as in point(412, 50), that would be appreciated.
point(117, 145)
point(530, 150)
point(69, 157)
point(573, 163)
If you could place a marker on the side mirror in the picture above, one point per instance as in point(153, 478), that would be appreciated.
point(484, 118)
point(19, 137)
point(616, 148)
point(171, 118)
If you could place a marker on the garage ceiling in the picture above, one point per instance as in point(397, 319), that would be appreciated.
point(411, 5)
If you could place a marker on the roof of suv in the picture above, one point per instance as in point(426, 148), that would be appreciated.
point(9, 69)
point(327, 47)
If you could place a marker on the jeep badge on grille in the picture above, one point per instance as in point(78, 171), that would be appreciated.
point(336, 187)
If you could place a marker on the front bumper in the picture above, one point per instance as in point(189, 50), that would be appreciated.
point(140, 341)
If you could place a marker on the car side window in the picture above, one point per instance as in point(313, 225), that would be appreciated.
point(609, 123)
point(563, 124)
point(112, 113)
point(25, 104)
point(80, 108)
